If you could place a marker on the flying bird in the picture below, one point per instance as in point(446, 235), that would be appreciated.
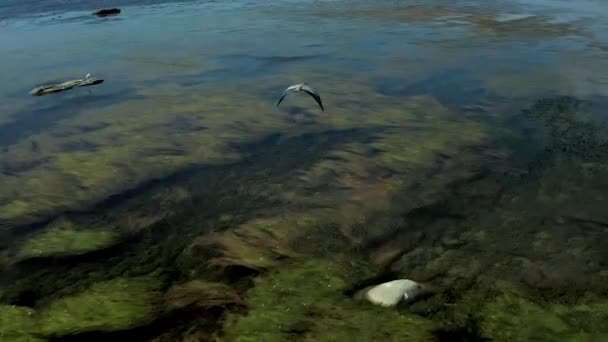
point(305, 88)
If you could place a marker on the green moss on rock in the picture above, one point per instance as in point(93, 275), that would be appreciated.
point(64, 238)
point(15, 209)
point(590, 317)
point(17, 324)
point(112, 305)
point(307, 300)
point(510, 317)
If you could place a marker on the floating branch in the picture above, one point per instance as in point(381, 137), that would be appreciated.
point(107, 12)
point(54, 88)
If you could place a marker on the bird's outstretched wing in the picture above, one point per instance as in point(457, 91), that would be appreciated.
point(314, 94)
point(290, 88)
point(283, 96)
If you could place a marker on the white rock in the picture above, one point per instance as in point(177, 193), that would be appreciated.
point(392, 292)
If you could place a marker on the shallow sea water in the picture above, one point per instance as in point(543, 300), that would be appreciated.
point(463, 145)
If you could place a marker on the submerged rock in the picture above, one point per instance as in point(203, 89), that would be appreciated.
point(393, 292)
point(63, 237)
point(17, 324)
point(112, 305)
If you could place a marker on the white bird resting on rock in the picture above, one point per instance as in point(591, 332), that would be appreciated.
point(305, 88)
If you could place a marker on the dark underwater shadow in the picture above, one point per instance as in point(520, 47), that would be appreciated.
point(470, 331)
point(260, 156)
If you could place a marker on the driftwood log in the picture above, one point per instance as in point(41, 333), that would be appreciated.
point(107, 12)
point(54, 88)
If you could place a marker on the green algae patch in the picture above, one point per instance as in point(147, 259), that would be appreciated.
point(112, 305)
point(15, 209)
point(17, 324)
point(307, 300)
point(510, 317)
point(65, 238)
point(589, 317)
point(506, 314)
point(86, 159)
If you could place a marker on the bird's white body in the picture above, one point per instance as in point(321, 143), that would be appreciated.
point(296, 87)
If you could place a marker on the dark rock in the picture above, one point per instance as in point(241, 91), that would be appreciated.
point(107, 12)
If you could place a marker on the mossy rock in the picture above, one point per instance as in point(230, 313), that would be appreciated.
point(307, 300)
point(65, 238)
point(590, 317)
point(15, 209)
point(510, 316)
point(112, 305)
point(17, 324)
